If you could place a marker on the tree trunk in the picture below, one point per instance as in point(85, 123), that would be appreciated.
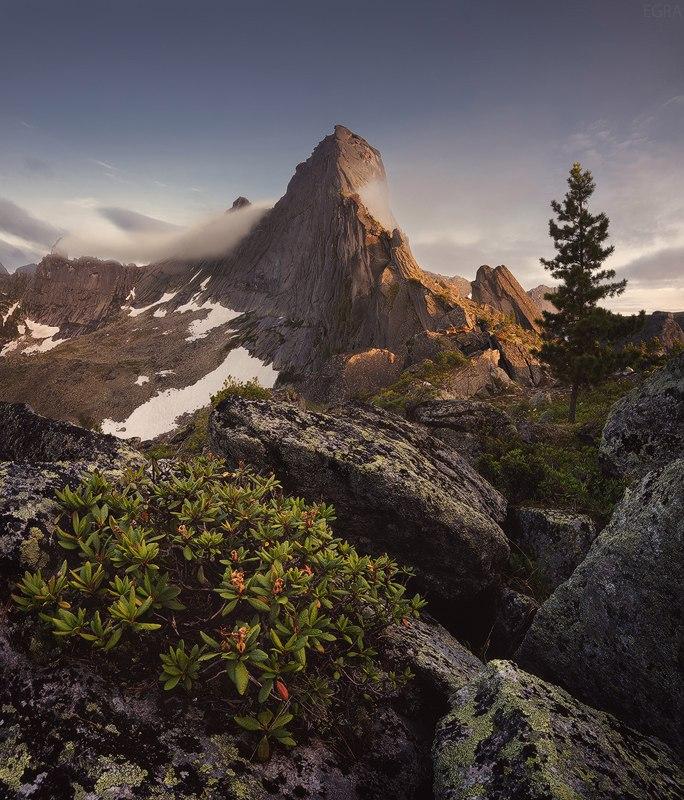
point(573, 402)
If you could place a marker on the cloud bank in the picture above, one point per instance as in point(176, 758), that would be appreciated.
point(16, 221)
point(128, 236)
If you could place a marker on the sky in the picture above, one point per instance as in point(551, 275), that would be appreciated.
point(114, 112)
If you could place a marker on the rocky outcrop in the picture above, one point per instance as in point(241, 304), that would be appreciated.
point(610, 633)
point(457, 282)
point(394, 488)
point(511, 735)
point(538, 297)
point(557, 541)
point(238, 203)
point(357, 376)
point(3, 269)
point(27, 436)
point(79, 295)
point(645, 429)
point(480, 377)
point(517, 361)
point(661, 333)
point(499, 289)
point(463, 424)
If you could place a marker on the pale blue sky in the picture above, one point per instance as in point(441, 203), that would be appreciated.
point(172, 109)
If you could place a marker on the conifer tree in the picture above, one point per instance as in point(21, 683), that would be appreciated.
point(577, 338)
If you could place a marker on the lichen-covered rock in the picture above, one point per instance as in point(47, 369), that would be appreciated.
point(27, 436)
point(463, 424)
point(38, 456)
point(511, 736)
point(610, 634)
point(87, 730)
point(515, 612)
point(394, 488)
point(433, 654)
point(645, 429)
point(557, 540)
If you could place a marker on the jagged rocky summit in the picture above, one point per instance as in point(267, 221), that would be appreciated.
point(321, 293)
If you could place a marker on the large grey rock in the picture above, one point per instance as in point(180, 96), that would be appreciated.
point(645, 429)
point(81, 730)
point(557, 540)
point(433, 654)
point(463, 424)
point(611, 633)
point(394, 488)
point(38, 456)
point(29, 437)
point(511, 736)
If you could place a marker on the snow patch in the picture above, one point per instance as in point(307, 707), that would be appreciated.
point(205, 282)
point(141, 379)
point(10, 311)
point(43, 347)
point(9, 347)
point(218, 315)
point(160, 312)
point(39, 331)
point(131, 294)
point(164, 372)
point(159, 414)
point(135, 312)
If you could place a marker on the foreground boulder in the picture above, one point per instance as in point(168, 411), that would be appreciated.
point(394, 488)
point(37, 457)
point(645, 429)
point(511, 735)
point(557, 540)
point(610, 634)
point(71, 729)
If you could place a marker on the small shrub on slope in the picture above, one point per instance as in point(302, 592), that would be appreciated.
point(252, 390)
point(242, 592)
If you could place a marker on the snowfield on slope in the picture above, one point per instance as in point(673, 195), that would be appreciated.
point(159, 414)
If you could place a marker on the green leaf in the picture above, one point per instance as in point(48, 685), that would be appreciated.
point(241, 677)
point(248, 723)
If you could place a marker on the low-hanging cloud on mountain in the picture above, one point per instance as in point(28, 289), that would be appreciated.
point(134, 222)
point(128, 236)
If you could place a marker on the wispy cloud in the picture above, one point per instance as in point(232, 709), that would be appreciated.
point(19, 222)
point(134, 222)
point(104, 164)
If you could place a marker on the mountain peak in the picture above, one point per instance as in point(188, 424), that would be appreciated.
point(238, 204)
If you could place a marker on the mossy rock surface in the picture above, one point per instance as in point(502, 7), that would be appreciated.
point(512, 736)
point(645, 429)
point(610, 634)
